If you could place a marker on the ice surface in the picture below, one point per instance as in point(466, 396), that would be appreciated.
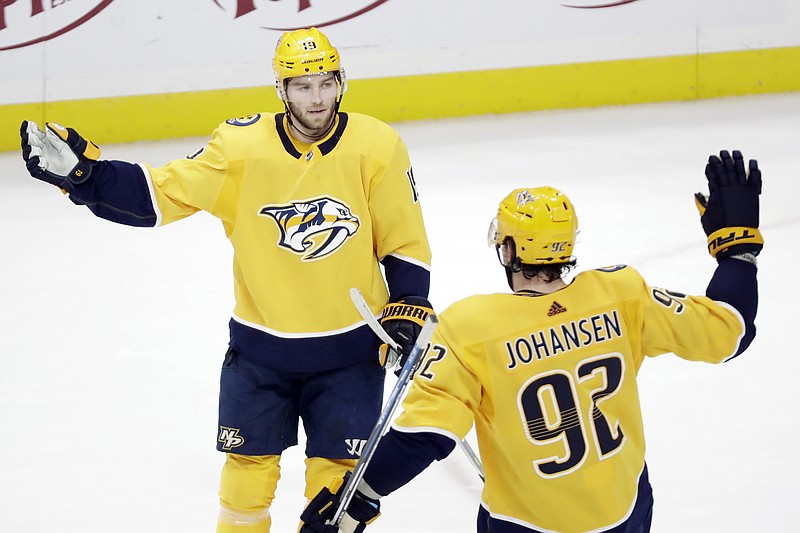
point(112, 337)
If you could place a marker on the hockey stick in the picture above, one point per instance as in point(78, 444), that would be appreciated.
point(473, 458)
point(403, 380)
point(366, 313)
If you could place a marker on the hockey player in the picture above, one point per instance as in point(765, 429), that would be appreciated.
point(314, 202)
point(548, 373)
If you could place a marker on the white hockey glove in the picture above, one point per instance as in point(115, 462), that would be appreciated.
point(59, 155)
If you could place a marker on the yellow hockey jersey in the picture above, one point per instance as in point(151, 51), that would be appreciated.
point(550, 384)
point(307, 223)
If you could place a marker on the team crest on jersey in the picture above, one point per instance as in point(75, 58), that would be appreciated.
point(243, 121)
point(313, 228)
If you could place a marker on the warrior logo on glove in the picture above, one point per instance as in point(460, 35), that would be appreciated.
point(404, 311)
point(403, 320)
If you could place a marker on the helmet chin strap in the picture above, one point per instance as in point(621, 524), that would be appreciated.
point(508, 278)
point(514, 266)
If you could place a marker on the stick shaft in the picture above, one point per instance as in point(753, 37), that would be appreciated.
point(388, 410)
point(366, 313)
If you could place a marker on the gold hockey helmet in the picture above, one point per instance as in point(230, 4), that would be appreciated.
point(540, 221)
point(305, 52)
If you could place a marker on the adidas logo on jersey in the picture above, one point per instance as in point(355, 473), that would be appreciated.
point(556, 308)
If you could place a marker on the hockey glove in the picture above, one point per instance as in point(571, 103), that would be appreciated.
point(59, 155)
point(319, 512)
point(729, 214)
point(403, 321)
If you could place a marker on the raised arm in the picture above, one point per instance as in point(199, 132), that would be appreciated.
point(730, 218)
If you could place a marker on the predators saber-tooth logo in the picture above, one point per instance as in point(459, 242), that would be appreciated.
point(230, 438)
point(313, 228)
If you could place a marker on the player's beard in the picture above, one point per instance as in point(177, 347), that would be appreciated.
point(312, 126)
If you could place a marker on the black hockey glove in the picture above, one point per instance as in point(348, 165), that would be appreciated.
point(59, 155)
point(403, 321)
point(729, 214)
point(319, 512)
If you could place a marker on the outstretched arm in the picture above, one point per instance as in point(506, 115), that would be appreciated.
point(730, 219)
point(134, 194)
point(114, 190)
point(118, 192)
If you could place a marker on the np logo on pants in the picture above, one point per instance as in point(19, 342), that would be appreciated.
point(230, 438)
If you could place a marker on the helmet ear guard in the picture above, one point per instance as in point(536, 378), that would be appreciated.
point(534, 226)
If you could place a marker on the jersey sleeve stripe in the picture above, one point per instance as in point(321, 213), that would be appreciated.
point(151, 189)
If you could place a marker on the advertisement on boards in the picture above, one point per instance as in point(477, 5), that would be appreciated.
point(71, 49)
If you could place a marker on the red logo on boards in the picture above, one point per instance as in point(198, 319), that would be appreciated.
point(596, 4)
point(28, 22)
point(22, 22)
point(287, 15)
